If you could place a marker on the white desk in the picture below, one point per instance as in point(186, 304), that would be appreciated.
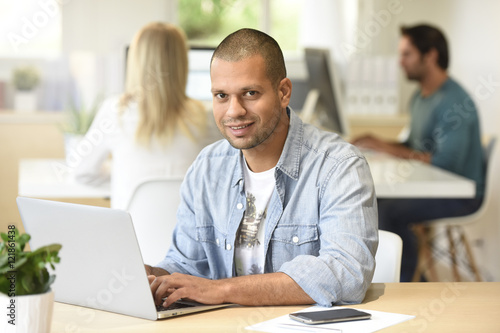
point(51, 178)
point(393, 178)
point(399, 178)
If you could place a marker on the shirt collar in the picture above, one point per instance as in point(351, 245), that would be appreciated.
point(289, 162)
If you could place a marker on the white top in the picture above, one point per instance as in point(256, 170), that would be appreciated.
point(249, 247)
point(113, 134)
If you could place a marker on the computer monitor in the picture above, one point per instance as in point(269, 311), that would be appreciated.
point(199, 83)
point(323, 106)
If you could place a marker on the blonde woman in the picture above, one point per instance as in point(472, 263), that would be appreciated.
point(153, 129)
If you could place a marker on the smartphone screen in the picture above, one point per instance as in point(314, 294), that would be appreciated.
point(329, 316)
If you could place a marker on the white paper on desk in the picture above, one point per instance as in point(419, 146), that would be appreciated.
point(378, 321)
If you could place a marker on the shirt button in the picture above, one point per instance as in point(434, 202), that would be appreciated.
point(295, 239)
point(217, 241)
point(228, 247)
point(239, 206)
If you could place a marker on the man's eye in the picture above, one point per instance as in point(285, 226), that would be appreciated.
point(220, 95)
point(251, 93)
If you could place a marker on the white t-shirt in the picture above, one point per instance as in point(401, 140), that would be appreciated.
point(249, 248)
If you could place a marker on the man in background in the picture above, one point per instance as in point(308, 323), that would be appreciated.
point(444, 132)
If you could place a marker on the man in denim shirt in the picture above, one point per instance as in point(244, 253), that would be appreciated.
point(313, 237)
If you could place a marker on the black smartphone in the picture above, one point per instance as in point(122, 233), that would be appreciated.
point(329, 316)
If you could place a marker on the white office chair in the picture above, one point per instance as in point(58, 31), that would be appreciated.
point(426, 232)
point(388, 257)
point(153, 207)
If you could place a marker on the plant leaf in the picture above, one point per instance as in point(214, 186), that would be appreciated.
point(30, 268)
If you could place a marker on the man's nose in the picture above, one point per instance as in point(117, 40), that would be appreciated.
point(236, 108)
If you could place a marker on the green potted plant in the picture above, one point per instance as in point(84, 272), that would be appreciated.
point(77, 124)
point(80, 118)
point(25, 283)
point(25, 80)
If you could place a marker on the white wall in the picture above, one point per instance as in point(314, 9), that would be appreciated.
point(95, 34)
point(476, 62)
point(104, 26)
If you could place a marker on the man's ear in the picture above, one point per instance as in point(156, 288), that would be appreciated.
point(285, 92)
point(432, 56)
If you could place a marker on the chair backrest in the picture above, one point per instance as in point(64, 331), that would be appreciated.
point(153, 208)
point(388, 257)
point(488, 149)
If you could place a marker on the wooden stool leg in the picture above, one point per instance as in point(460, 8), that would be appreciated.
point(425, 259)
point(453, 253)
point(419, 270)
point(470, 256)
point(429, 254)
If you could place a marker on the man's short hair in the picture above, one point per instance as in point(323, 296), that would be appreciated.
point(426, 38)
point(246, 43)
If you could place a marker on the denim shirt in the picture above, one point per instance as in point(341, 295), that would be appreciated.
point(321, 225)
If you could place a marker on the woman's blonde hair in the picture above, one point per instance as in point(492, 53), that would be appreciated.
point(157, 70)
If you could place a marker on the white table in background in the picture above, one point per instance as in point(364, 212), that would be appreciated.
point(52, 178)
point(400, 178)
point(393, 178)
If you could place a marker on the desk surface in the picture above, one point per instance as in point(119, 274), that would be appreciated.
point(393, 178)
point(52, 178)
point(438, 307)
point(400, 178)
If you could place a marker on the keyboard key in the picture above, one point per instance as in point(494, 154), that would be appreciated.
point(173, 306)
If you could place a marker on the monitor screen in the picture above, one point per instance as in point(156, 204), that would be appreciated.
point(199, 83)
point(324, 101)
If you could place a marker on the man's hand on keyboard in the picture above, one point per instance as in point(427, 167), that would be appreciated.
point(177, 286)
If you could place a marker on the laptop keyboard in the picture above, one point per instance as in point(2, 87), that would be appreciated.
point(174, 306)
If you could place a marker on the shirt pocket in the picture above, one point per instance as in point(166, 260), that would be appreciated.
point(210, 235)
point(291, 240)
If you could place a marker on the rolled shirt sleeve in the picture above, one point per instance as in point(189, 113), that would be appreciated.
point(343, 271)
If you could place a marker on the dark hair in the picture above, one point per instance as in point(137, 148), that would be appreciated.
point(426, 38)
point(246, 43)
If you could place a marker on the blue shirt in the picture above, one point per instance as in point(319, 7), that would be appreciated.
point(446, 124)
point(321, 225)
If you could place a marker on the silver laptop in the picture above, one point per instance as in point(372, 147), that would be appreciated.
point(101, 265)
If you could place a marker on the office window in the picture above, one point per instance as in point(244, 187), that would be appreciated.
point(30, 28)
point(285, 22)
point(207, 22)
